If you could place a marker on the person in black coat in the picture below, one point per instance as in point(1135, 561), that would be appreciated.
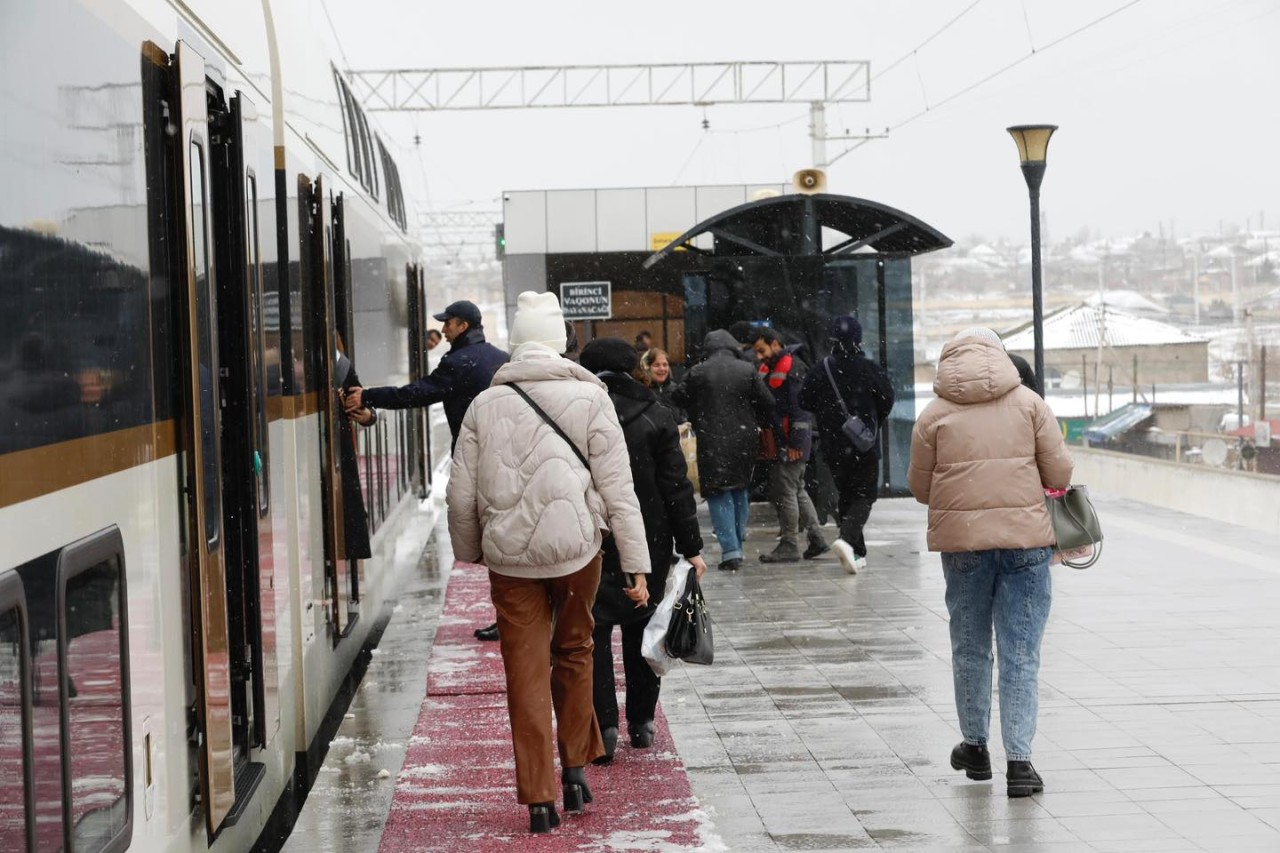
point(656, 367)
point(1026, 373)
point(670, 515)
point(727, 401)
point(466, 370)
point(355, 520)
point(864, 387)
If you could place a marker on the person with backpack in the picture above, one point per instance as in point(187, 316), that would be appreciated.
point(844, 385)
point(783, 372)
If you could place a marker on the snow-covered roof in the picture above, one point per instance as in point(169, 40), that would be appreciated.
point(1127, 300)
point(1087, 326)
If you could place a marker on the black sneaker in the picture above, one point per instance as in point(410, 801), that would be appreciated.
point(730, 565)
point(817, 547)
point(1023, 780)
point(975, 761)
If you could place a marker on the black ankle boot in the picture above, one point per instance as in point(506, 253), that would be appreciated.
point(975, 761)
point(610, 738)
point(642, 735)
point(489, 632)
point(543, 817)
point(1023, 780)
point(576, 792)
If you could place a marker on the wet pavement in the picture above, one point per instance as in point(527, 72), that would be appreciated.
point(827, 719)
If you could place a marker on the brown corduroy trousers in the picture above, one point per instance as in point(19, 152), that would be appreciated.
point(545, 629)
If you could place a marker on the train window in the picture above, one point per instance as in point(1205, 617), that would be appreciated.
point(15, 735)
point(207, 368)
point(344, 108)
point(257, 346)
point(94, 674)
point(370, 182)
point(395, 194)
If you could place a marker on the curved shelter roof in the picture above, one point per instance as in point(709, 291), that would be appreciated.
point(799, 224)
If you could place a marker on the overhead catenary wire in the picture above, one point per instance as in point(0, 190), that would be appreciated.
point(1015, 63)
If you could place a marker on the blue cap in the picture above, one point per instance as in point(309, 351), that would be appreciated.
point(463, 310)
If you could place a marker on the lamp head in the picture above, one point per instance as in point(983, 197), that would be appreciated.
point(1032, 140)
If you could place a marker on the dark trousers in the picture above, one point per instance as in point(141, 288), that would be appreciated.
point(642, 684)
point(545, 631)
point(858, 482)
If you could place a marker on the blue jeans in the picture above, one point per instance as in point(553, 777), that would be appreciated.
point(729, 521)
point(1010, 589)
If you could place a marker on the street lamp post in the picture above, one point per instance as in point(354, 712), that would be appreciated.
point(1033, 144)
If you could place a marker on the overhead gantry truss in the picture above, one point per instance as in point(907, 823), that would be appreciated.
point(676, 84)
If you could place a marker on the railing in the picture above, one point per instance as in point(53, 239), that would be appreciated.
point(1213, 450)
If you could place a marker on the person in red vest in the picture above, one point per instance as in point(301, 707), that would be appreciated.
point(783, 371)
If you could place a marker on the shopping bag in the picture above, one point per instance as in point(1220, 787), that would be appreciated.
point(1076, 529)
point(653, 645)
point(689, 446)
point(689, 633)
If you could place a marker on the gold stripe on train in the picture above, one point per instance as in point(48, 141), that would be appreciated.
point(29, 474)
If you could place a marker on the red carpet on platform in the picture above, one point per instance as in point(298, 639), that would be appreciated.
point(456, 791)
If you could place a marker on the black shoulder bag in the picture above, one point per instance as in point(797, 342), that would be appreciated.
point(860, 434)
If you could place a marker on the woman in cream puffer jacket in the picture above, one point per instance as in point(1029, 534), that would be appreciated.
point(522, 502)
point(982, 455)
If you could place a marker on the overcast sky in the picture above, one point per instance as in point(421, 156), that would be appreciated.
point(1167, 108)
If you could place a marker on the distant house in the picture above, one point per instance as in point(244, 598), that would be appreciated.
point(1087, 343)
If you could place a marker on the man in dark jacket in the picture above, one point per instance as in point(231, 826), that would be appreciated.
point(864, 387)
point(670, 515)
point(465, 371)
point(727, 401)
point(783, 372)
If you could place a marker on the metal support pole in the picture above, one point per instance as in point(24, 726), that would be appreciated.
point(1239, 395)
point(818, 133)
point(1262, 385)
point(1034, 173)
point(1084, 384)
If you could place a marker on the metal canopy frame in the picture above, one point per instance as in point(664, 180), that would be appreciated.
point(685, 83)
point(795, 223)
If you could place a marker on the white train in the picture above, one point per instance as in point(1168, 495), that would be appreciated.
point(193, 210)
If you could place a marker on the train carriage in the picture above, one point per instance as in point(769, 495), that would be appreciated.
point(196, 216)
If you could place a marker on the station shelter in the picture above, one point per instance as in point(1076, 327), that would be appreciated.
point(682, 261)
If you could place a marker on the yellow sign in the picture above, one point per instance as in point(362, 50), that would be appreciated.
point(659, 239)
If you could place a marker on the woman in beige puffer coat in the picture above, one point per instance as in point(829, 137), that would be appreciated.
point(524, 504)
point(982, 455)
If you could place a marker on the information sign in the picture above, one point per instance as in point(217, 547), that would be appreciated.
point(586, 300)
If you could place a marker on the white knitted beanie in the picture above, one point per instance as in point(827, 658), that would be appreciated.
point(538, 320)
point(979, 332)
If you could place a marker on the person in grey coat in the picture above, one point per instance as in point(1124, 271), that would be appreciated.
point(727, 401)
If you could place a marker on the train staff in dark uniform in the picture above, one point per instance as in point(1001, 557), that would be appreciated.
point(464, 371)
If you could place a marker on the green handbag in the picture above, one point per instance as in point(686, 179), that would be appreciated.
point(1075, 524)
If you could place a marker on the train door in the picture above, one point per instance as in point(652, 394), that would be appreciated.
point(17, 797)
point(419, 419)
point(200, 439)
point(320, 236)
point(244, 441)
